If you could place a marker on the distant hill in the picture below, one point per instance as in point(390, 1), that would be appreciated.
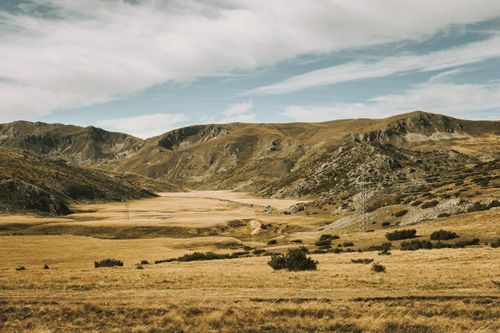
point(409, 155)
point(31, 183)
point(82, 145)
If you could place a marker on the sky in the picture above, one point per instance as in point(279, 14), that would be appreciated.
point(146, 67)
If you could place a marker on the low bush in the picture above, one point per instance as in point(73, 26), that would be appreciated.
point(328, 237)
point(379, 247)
point(401, 234)
point(429, 204)
point(272, 242)
point(45, 266)
point(401, 213)
point(495, 243)
point(195, 256)
point(293, 260)
point(322, 243)
point(297, 241)
point(108, 263)
point(348, 244)
point(443, 235)
point(376, 267)
point(416, 203)
point(386, 224)
point(428, 245)
point(144, 262)
point(20, 268)
point(416, 244)
point(361, 261)
point(258, 251)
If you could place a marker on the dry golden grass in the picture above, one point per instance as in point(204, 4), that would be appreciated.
point(446, 290)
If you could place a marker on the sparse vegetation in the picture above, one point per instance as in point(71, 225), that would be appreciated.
point(496, 243)
point(428, 245)
point(293, 260)
point(108, 263)
point(361, 261)
point(443, 235)
point(401, 213)
point(429, 204)
point(401, 234)
point(378, 268)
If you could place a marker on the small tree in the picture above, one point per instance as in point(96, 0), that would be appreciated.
point(401, 234)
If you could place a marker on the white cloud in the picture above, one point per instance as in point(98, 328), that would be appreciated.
point(454, 57)
point(144, 126)
point(93, 51)
point(445, 98)
point(239, 112)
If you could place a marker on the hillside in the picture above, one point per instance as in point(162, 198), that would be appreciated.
point(250, 156)
point(32, 183)
point(81, 145)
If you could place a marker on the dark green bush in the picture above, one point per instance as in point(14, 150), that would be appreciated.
point(144, 262)
point(401, 234)
point(376, 267)
point(325, 237)
point(347, 244)
point(108, 263)
point(443, 235)
point(296, 241)
point(20, 268)
point(429, 204)
point(325, 242)
point(401, 213)
point(258, 251)
point(416, 244)
point(379, 247)
point(272, 242)
point(361, 261)
point(293, 260)
point(495, 243)
point(195, 256)
point(386, 224)
point(45, 266)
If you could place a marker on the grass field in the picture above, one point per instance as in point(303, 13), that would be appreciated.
point(440, 290)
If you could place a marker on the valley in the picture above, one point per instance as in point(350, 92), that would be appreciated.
point(193, 218)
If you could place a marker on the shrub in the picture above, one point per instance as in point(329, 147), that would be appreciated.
point(108, 263)
point(258, 251)
point(328, 237)
point(380, 247)
point(144, 262)
point(401, 213)
point(296, 241)
point(361, 261)
point(347, 244)
point(272, 242)
point(376, 267)
point(416, 203)
point(139, 267)
point(325, 242)
point(195, 256)
point(20, 268)
point(416, 245)
point(247, 248)
point(443, 235)
point(429, 204)
point(386, 224)
point(495, 243)
point(45, 266)
point(464, 243)
point(401, 234)
point(293, 260)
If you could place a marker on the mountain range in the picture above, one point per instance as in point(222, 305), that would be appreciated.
point(395, 161)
